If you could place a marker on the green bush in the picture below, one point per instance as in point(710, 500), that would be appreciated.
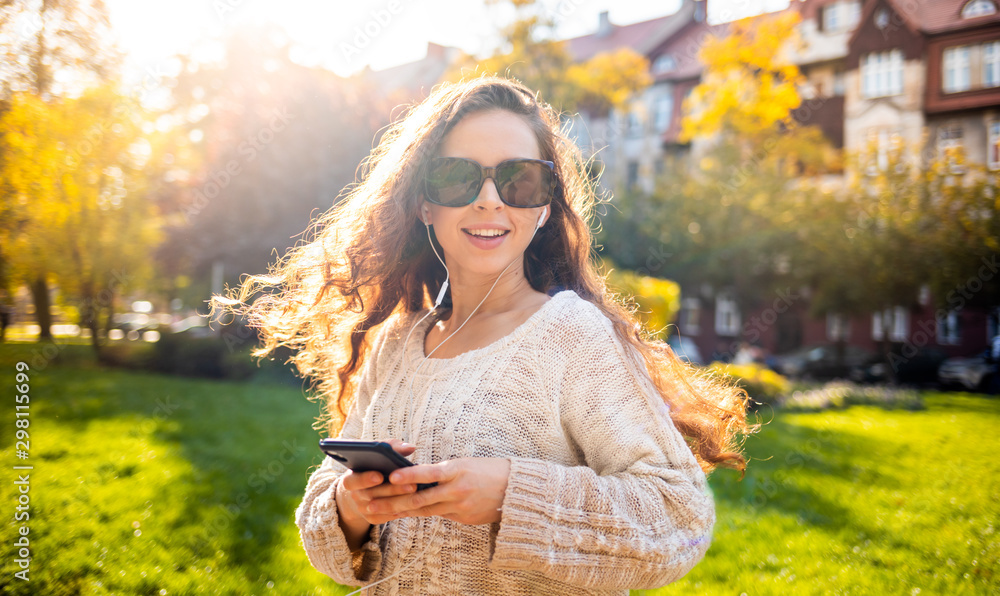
point(761, 383)
point(131, 355)
point(841, 394)
point(659, 300)
point(213, 357)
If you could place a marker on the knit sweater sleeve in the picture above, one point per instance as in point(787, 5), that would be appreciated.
point(317, 517)
point(639, 514)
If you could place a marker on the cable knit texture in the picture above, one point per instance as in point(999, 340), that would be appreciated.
point(604, 493)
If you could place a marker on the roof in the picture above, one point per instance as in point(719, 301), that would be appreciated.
point(684, 47)
point(947, 16)
point(416, 77)
point(641, 37)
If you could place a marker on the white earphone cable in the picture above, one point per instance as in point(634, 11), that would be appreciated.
point(406, 342)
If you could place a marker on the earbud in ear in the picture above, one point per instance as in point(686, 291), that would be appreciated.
point(424, 216)
point(541, 218)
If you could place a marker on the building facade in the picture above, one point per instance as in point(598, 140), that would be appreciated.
point(878, 73)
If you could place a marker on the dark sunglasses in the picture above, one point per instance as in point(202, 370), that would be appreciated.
point(456, 182)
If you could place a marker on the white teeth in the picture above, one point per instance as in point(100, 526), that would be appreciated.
point(487, 233)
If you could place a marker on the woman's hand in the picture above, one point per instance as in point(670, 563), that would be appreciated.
point(356, 491)
point(470, 490)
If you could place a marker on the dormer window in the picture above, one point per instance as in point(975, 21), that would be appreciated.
point(978, 8)
point(664, 63)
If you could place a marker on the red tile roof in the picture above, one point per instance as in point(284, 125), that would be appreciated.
point(641, 37)
point(940, 16)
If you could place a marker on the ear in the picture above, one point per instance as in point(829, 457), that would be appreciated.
point(425, 214)
point(544, 217)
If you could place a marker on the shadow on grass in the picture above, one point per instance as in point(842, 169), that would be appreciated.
point(789, 465)
point(250, 445)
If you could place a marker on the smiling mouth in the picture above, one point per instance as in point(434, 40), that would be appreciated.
point(488, 235)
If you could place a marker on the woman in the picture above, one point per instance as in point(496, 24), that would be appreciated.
point(553, 427)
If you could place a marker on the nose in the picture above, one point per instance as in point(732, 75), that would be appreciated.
point(488, 197)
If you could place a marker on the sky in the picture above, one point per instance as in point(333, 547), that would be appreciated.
point(346, 36)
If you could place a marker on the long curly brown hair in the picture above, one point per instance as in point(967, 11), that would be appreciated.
point(369, 258)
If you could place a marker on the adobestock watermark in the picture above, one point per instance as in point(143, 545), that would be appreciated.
point(752, 330)
point(366, 33)
point(164, 408)
point(769, 486)
point(124, 108)
point(249, 149)
point(753, 164)
point(956, 300)
point(256, 483)
point(223, 8)
point(44, 354)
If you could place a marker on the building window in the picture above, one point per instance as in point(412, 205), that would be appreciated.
point(947, 329)
point(632, 176)
point(664, 63)
point(993, 149)
point(991, 64)
point(663, 112)
point(634, 123)
point(900, 324)
point(837, 327)
point(956, 70)
point(895, 321)
point(882, 18)
point(691, 316)
point(883, 145)
point(841, 15)
point(727, 316)
point(838, 83)
point(924, 295)
point(882, 74)
point(978, 8)
point(949, 147)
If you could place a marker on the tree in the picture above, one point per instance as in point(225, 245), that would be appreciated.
point(40, 39)
point(530, 54)
point(732, 218)
point(259, 145)
point(900, 227)
point(749, 86)
point(79, 212)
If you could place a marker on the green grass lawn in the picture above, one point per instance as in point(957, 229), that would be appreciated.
point(145, 484)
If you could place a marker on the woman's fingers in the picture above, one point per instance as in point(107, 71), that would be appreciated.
point(354, 481)
point(401, 447)
point(469, 491)
point(427, 473)
point(408, 502)
point(389, 490)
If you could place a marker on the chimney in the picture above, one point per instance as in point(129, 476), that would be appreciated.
point(603, 25)
point(700, 11)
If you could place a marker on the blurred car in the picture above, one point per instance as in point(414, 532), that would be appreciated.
point(919, 368)
point(820, 362)
point(972, 373)
point(685, 349)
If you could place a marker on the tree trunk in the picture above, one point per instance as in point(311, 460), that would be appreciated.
point(43, 314)
point(890, 361)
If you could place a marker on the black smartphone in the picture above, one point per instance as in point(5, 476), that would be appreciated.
point(367, 456)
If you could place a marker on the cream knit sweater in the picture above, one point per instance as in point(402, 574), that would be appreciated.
point(604, 494)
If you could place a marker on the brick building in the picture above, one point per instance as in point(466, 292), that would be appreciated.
point(878, 72)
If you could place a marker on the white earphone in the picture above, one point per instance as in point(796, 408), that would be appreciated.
point(406, 342)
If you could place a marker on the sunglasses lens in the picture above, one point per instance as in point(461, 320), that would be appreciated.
point(525, 183)
point(452, 182)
